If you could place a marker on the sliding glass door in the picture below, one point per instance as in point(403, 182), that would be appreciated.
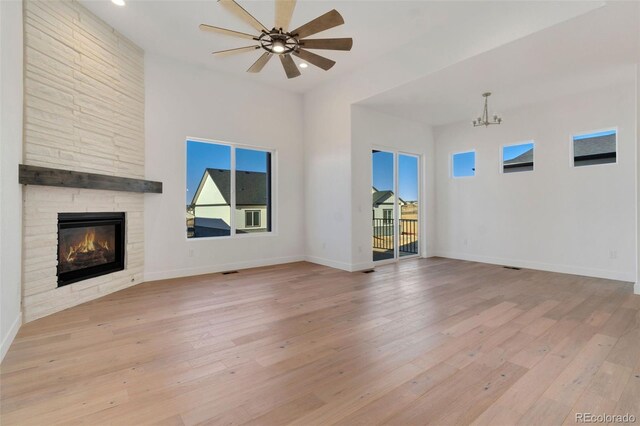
point(408, 205)
point(395, 195)
point(384, 205)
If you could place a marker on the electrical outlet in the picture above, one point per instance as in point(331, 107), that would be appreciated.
point(613, 254)
point(190, 252)
point(465, 242)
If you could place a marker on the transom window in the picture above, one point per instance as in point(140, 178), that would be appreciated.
point(517, 158)
point(463, 164)
point(595, 148)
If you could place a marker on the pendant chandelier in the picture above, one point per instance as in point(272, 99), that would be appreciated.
point(484, 120)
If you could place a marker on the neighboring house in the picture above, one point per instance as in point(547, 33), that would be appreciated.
point(211, 204)
point(382, 204)
point(589, 150)
point(522, 162)
point(586, 151)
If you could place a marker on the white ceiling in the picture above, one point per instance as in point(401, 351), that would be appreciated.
point(170, 28)
point(595, 50)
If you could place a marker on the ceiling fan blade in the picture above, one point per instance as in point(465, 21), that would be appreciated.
point(260, 63)
point(324, 22)
point(236, 50)
point(289, 66)
point(218, 30)
point(317, 60)
point(241, 13)
point(284, 12)
point(327, 43)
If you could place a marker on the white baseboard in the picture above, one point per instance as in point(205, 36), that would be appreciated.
point(211, 269)
point(355, 267)
point(550, 267)
point(636, 288)
point(8, 339)
point(349, 267)
point(329, 262)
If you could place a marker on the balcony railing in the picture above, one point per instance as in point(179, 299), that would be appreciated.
point(383, 235)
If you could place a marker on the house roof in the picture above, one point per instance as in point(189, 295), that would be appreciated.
point(213, 223)
point(594, 145)
point(380, 197)
point(251, 187)
point(525, 157)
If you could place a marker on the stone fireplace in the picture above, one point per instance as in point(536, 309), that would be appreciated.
point(84, 113)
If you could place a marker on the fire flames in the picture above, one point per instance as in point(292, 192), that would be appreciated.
point(86, 246)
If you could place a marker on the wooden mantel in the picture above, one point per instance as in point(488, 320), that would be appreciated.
point(33, 175)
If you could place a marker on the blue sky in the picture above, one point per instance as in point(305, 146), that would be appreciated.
point(594, 135)
point(464, 164)
point(202, 155)
point(509, 152)
point(407, 174)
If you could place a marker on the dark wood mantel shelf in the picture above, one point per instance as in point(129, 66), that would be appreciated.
point(33, 175)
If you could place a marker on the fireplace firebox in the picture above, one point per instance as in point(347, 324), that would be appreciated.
point(89, 245)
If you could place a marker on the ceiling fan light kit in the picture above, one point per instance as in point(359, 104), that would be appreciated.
point(484, 120)
point(279, 41)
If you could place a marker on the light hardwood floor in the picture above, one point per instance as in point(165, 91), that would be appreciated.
point(432, 341)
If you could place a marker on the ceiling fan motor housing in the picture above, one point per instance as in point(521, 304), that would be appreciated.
point(270, 41)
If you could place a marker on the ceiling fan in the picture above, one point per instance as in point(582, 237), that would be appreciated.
point(284, 42)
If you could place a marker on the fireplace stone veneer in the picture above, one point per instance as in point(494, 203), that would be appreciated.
point(84, 112)
point(89, 245)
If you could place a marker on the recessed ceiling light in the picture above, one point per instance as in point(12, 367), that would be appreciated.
point(118, 2)
point(303, 65)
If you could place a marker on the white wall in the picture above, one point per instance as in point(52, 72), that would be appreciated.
point(184, 101)
point(371, 129)
point(557, 217)
point(10, 157)
point(637, 285)
point(327, 109)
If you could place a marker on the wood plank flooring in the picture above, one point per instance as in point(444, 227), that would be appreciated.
point(426, 341)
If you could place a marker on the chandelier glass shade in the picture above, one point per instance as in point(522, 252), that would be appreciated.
point(485, 120)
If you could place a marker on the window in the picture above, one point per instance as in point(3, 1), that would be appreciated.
point(464, 164)
point(387, 213)
point(595, 148)
point(517, 158)
point(228, 190)
point(252, 218)
point(253, 190)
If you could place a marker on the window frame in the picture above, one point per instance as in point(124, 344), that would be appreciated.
point(507, 145)
point(475, 162)
point(572, 162)
point(273, 193)
point(253, 222)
